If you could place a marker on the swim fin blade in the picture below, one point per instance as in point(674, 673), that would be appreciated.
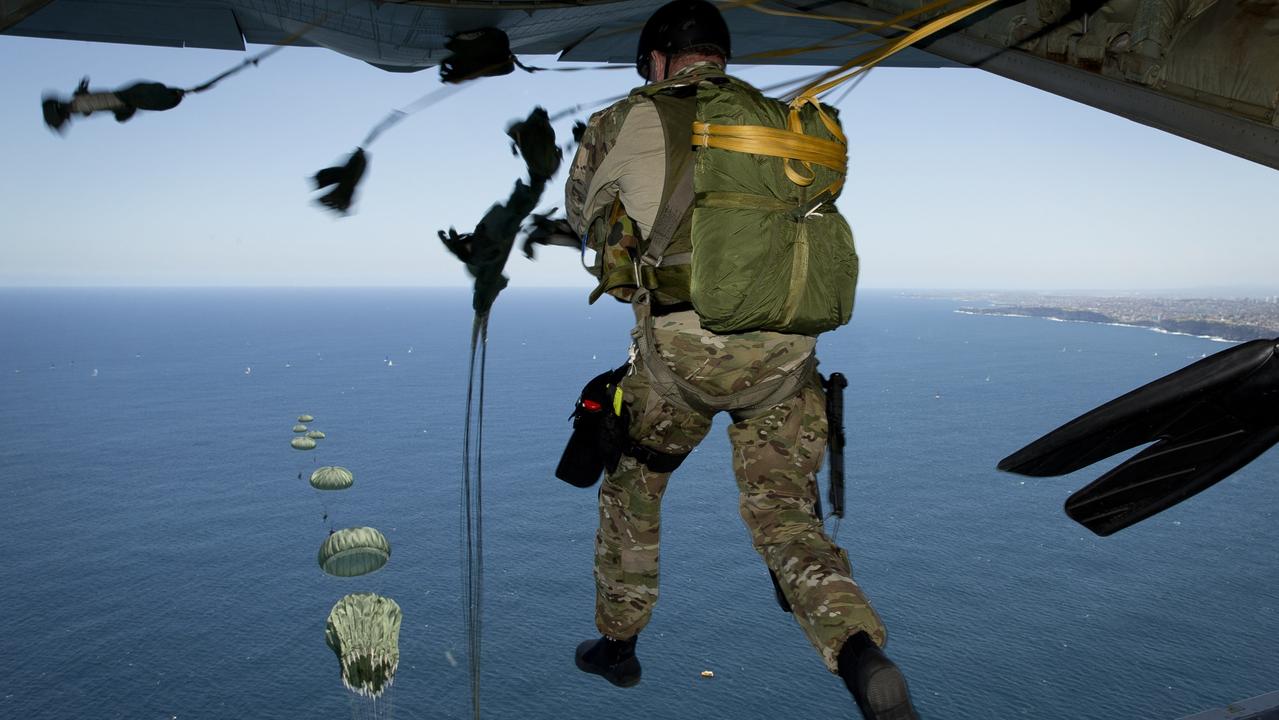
point(1205, 421)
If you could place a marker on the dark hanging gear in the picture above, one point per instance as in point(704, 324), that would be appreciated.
point(593, 446)
point(344, 178)
point(348, 176)
point(1206, 421)
point(682, 25)
point(126, 101)
point(533, 138)
point(601, 435)
point(122, 103)
point(151, 96)
point(834, 387)
point(477, 53)
point(548, 231)
point(486, 249)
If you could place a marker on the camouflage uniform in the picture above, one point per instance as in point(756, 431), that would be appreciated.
point(776, 450)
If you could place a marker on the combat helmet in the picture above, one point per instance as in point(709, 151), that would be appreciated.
point(681, 25)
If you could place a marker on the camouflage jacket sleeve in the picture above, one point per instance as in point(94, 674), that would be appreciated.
point(622, 157)
point(601, 135)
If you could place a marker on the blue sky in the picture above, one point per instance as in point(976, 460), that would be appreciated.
point(959, 179)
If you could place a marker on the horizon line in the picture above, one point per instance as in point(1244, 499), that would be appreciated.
point(1215, 289)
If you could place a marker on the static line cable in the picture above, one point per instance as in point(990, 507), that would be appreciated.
point(395, 116)
point(254, 60)
point(124, 102)
point(244, 64)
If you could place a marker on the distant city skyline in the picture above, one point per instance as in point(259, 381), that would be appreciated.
point(958, 180)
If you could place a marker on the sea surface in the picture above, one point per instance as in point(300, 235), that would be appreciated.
point(159, 547)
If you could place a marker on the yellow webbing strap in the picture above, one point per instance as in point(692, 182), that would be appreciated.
point(787, 144)
point(866, 61)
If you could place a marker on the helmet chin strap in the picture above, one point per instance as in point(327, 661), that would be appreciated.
point(653, 74)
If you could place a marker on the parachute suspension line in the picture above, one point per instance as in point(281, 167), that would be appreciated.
point(535, 69)
point(472, 509)
point(849, 90)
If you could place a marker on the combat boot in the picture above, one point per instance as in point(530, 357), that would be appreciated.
point(876, 683)
point(613, 659)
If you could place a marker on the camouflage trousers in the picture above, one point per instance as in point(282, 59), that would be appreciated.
point(777, 452)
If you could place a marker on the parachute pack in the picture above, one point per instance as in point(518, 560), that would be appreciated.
point(749, 233)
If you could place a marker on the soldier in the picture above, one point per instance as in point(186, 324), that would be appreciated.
point(629, 194)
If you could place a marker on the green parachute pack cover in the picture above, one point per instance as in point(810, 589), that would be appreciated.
point(757, 250)
point(768, 254)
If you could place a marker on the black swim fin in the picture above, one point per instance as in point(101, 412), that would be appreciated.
point(1206, 421)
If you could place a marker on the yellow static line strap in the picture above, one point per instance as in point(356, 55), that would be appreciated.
point(868, 60)
point(867, 26)
point(787, 144)
point(617, 402)
point(792, 144)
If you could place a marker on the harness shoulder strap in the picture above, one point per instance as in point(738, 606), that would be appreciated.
point(671, 215)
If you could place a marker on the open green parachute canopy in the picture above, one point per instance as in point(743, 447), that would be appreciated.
point(315, 435)
point(299, 428)
point(331, 477)
point(364, 631)
point(354, 551)
point(305, 418)
point(302, 443)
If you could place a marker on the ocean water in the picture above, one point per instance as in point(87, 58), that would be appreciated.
point(160, 549)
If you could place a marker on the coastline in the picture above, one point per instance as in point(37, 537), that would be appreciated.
point(1203, 329)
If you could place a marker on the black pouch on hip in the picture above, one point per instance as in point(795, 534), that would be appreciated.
point(594, 444)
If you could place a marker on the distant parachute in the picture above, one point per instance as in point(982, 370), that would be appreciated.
point(354, 551)
point(299, 428)
point(363, 630)
point(331, 477)
point(315, 435)
point(305, 419)
point(302, 443)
